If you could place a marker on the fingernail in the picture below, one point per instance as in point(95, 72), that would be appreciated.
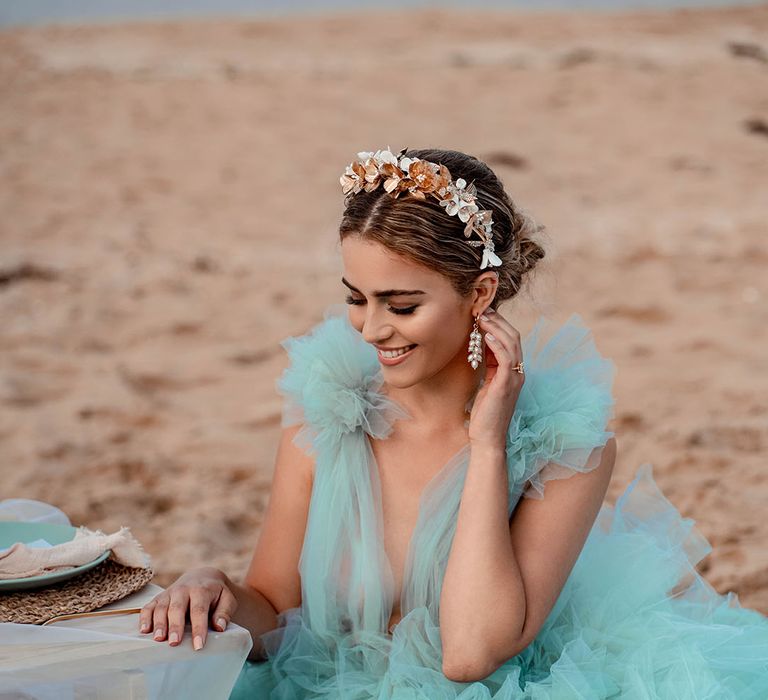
point(490, 311)
point(483, 317)
point(221, 622)
point(159, 633)
point(174, 637)
point(144, 626)
point(198, 643)
point(490, 336)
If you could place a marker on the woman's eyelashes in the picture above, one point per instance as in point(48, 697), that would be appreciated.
point(393, 309)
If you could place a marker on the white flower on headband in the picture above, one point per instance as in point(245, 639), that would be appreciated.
point(419, 178)
point(462, 201)
point(489, 257)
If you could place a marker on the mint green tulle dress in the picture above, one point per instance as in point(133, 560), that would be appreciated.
point(634, 619)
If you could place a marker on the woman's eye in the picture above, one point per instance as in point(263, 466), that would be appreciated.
point(393, 309)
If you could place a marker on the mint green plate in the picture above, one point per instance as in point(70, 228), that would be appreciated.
point(15, 531)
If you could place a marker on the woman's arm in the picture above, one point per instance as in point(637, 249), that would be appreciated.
point(255, 613)
point(272, 583)
point(502, 578)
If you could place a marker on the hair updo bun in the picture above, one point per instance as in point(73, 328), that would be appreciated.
point(420, 229)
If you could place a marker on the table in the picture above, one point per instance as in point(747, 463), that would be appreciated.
point(107, 658)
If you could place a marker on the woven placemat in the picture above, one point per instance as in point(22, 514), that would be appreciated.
point(105, 583)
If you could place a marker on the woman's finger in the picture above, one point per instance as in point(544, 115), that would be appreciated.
point(224, 609)
point(505, 346)
point(500, 327)
point(177, 615)
point(160, 617)
point(145, 617)
point(199, 605)
point(504, 342)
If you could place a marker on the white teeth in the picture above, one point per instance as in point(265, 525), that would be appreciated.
point(395, 353)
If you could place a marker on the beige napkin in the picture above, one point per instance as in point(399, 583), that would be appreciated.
point(20, 561)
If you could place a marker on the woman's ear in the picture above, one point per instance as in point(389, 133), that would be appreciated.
point(485, 288)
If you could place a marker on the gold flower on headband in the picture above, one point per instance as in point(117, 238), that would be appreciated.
point(420, 178)
point(354, 178)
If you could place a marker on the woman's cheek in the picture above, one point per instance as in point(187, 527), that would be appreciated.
point(355, 319)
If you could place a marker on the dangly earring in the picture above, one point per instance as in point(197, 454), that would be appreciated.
point(475, 356)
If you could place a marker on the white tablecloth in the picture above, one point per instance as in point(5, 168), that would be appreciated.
point(106, 657)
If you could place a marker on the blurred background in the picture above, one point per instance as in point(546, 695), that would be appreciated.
point(170, 202)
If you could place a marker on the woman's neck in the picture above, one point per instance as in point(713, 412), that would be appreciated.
point(441, 400)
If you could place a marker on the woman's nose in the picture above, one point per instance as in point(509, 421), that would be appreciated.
point(375, 328)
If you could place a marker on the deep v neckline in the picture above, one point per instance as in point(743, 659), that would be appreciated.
point(377, 498)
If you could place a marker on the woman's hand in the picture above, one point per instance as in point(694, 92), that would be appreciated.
point(201, 591)
point(495, 402)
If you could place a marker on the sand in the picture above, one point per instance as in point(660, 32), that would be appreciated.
point(170, 200)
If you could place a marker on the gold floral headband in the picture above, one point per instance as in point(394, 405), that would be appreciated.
point(421, 178)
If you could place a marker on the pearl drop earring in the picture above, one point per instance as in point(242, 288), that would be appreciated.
point(475, 356)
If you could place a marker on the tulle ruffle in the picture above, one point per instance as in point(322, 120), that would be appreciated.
point(558, 427)
point(332, 384)
point(634, 620)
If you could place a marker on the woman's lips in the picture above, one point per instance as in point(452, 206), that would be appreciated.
point(389, 361)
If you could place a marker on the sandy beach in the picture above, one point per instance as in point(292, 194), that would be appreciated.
point(170, 199)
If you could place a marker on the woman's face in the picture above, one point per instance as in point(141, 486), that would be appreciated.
point(396, 304)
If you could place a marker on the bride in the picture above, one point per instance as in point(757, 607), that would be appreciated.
point(410, 547)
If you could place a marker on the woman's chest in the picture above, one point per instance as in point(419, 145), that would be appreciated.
point(400, 489)
point(405, 472)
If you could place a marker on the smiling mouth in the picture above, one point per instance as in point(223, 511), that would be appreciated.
point(392, 354)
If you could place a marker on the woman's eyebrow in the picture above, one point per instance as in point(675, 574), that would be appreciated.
point(386, 292)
